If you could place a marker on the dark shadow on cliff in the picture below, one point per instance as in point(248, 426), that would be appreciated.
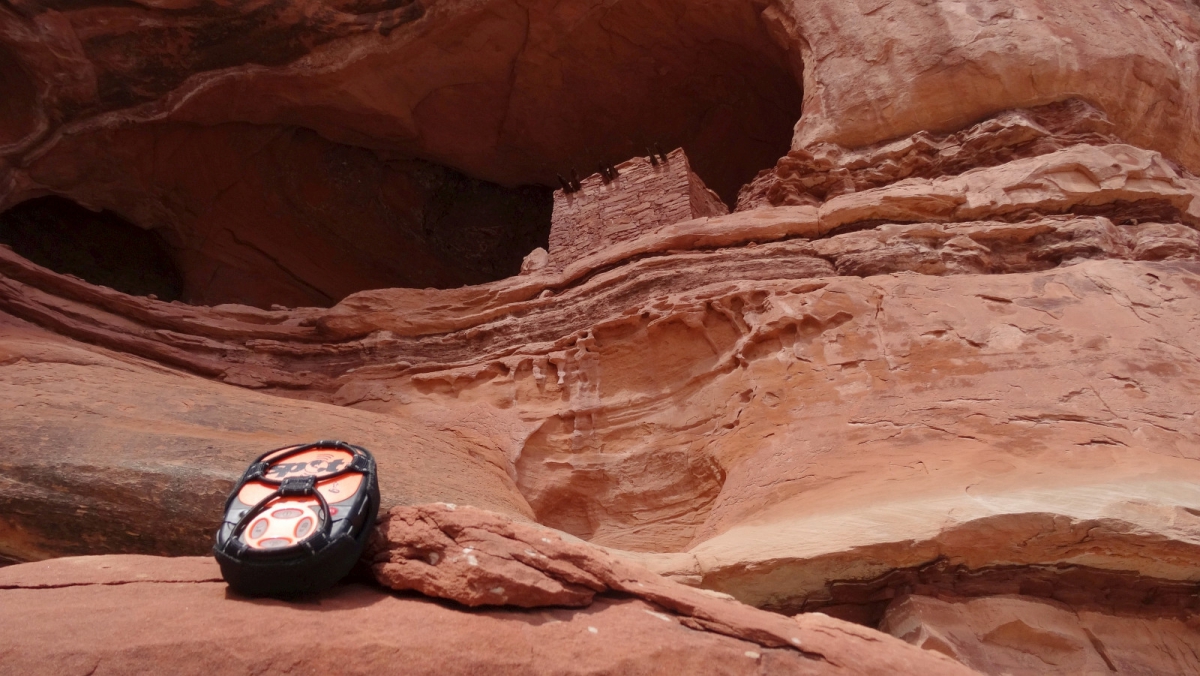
point(101, 248)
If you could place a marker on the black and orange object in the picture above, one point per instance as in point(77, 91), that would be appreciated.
point(298, 519)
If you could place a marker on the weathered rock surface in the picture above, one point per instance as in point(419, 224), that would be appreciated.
point(884, 70)
point(505, 91)
point(936, 370)
point(812, 174)
point(1014, 635)
point(255, 136)
point(104, 452)
point(480, 558)
point(280, 216)
point(645, 406)
point(127, 615)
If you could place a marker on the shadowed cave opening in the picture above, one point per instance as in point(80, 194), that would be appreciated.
point(304, 207)
point(319, 221)
point(623, 76)
point(99, 247)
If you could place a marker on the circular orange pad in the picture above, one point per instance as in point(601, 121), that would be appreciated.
point(286, 522)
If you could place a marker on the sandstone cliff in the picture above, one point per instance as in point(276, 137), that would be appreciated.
point(923, 358)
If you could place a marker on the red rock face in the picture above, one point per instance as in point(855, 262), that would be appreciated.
point(92, 600)
point(279, 216)
point(256, 137)
point(934, 374)
point(1009, 634)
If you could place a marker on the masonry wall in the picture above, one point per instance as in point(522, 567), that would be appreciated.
point(643, 198)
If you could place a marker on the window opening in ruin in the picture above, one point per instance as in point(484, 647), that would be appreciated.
point(100, 248)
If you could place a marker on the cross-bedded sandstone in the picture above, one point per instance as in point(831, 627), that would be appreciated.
point(935, 374)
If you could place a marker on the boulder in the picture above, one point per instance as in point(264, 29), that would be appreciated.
point(479, 558)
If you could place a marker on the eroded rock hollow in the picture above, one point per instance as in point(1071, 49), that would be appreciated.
point(878, 317)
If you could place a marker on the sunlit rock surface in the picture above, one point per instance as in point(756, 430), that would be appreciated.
point(934, 374)
point(133, 614)
point(1016, 635)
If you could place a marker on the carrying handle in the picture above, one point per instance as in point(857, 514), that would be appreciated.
point(258, 471)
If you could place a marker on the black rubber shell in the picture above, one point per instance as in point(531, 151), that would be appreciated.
point(313, 565)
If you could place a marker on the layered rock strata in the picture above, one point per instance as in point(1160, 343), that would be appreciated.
point(130, 614)
point(372, 351)
point(935, 373)
point(1012, 634)
point(107, 452)
point(105, 104)
point(656, 428)
point(815, 173)
point(268, 216)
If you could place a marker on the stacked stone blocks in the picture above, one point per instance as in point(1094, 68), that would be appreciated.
point(642, 198)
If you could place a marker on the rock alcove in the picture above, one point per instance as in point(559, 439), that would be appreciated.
point(101, 248)
point(304, 173)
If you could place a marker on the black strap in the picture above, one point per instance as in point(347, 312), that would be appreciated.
point(296, 486)
point(258, 471)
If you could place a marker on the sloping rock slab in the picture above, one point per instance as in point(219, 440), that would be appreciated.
point(480, 558)
point(106, 453)
point(75, 571)
point(138, 615)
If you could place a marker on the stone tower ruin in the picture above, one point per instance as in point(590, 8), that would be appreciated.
point(644, 196)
